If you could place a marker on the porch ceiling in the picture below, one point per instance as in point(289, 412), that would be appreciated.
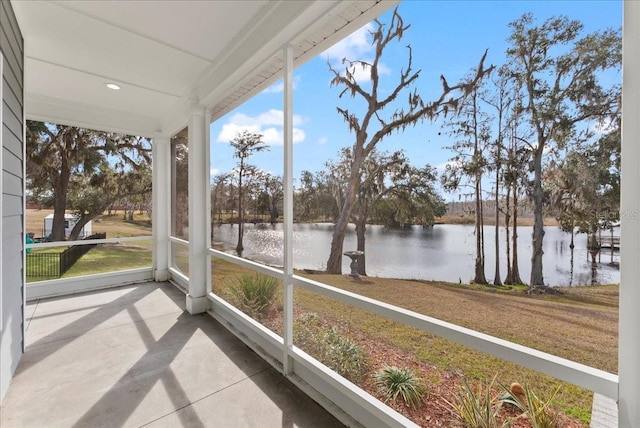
point(167, 55)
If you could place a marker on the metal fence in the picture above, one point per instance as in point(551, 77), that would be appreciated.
point(43, 265)
point(54, 265)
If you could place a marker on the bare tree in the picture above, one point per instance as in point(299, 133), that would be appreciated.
point(367, 138)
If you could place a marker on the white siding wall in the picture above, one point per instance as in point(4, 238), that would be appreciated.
point(12, 202)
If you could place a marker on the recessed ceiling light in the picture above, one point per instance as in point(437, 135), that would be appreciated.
point(113, 86)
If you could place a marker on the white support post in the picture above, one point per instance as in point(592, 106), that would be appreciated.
point(629, 318)
point(197, 301)
point(207, 199)
point(161, 151)
point(287, 362)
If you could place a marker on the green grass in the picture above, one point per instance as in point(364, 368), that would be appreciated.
point(112, 258)
point(42, 265)
point(101, 259)
point(105, 257)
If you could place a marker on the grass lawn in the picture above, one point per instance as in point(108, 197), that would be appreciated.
point(111, 258)
point(581, 325)
point(104, 257)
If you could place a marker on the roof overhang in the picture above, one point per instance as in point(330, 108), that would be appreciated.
point(167, 56)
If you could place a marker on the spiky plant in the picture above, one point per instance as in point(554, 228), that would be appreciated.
point(477, 407)
point(402, 383)
point(255, 294)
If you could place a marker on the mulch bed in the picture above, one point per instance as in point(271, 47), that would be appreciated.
point(442, 386)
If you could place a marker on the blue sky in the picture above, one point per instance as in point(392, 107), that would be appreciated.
point(447, 37)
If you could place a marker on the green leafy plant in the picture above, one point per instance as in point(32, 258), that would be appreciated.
point(255, 294)
point(479, 408)
point(329, 346)
point(343, 355)
point(397, 382)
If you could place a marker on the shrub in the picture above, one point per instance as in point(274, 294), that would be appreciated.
point(343, 355)
point(255, 294)
point(330, 347)
point(397, 382)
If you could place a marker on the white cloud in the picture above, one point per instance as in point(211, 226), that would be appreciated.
point(275, 88)
point(352, 47)
point(268, 123)
point(323, 140)
point(278, 87)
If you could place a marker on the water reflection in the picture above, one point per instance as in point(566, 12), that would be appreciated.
point(444, 252)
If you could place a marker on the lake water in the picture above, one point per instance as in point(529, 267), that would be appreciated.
point(444, 252)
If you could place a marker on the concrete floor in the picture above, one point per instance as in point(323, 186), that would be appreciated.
point(132, 357)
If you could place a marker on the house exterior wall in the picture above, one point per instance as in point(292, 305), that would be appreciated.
point(12, 200)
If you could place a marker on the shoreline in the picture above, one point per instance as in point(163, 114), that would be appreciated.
point(445, 220)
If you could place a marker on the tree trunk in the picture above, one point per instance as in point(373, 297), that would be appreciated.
point(75, 232)
point(360, 230)
point(334, 263)
point(538, 226)
point(60, 202)
point(507, 223)
point(572, 245)
point(496, 278)
point(239, 246)
point(59, 208)
point(273, 212)
point(479, 277)
point(515, 270)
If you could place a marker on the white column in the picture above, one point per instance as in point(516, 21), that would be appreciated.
point(198, 188)
point(207, 198)
point(629, 323)
point(160, 218)
point(287, 363)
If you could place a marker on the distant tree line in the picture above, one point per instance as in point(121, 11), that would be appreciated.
point(546, 130)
